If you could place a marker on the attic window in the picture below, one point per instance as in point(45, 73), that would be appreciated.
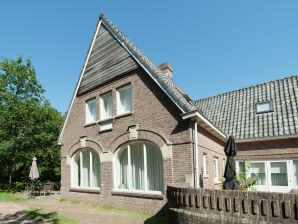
point(264, 107)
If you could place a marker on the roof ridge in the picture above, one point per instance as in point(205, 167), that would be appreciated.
point(249, 87)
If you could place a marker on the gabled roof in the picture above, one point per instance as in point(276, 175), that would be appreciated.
point(235, 112)
point(170, 88)
point(178, 97)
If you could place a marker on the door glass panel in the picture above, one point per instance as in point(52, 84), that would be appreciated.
point(279, 173)
point(295, 172)
point(258, 169)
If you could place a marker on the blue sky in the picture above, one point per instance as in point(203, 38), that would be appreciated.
point(213, 46)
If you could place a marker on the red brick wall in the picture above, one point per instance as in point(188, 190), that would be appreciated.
point(153, 111)
point(268, 150)
point(213, 148)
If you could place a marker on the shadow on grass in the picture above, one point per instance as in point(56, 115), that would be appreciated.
point(32, 216)
point(159, 217)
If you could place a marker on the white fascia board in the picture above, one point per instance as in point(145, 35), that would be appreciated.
point(79, 82)
point(196, 115)
point(144, 67)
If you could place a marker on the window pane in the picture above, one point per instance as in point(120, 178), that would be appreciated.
point(76, 170)
point(106, 106)
point(215, 168)
point(241, 167)
point(279, 174)
point(264, 107)
point(123, 160)
point(85, 174)
point(295, 170)
point(205, 164)
point(258, 169)
point(95, 169)
point(124, 100)
point(90, 111)
point(154, 168)
point(137, 166)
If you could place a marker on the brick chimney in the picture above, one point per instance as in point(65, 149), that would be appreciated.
point(167, 69)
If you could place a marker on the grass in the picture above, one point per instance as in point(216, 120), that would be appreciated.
point(38, 215)
point(6, 196)
point(154, 219)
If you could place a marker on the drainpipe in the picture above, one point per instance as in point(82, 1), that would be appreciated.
point(196, 153)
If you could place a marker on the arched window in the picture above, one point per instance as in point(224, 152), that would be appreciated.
point(85, 169)
point(138, 166)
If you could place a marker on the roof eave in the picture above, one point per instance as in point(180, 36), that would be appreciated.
point(196, 115)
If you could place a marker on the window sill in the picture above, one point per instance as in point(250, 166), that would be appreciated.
point(90, 124)
point(85, 190)
point(138, 194)
point(217, 182)
point(105, 120)
point(123, 115)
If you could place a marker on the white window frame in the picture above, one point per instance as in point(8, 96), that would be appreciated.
point(269, 187)
point(215, 169)
point(129, 171)
point(88, 113)
point(128, 86)
point(259, 105)
point(205, 165)
point(81, 168)
point(102, 108)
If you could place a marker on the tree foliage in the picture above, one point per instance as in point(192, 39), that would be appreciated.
point(247, 181)
point(29, 125)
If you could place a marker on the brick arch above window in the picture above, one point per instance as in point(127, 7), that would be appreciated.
point(88, 143)
point(158, 139)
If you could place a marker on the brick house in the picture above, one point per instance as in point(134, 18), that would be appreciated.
point(130, 130)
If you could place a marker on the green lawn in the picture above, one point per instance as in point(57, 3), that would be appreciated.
point(38, 215)
point(6, 196)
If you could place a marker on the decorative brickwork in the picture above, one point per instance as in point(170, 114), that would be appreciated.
point(189, 205)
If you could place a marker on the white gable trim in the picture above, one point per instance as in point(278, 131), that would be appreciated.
point(78, 83)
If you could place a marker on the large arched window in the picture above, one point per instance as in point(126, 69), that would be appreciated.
point(85, 169)
point(138, 166)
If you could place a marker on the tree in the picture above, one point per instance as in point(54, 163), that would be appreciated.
point(29, 125)
point(247, 181)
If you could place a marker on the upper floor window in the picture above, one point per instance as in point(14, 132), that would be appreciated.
point(106, 106)
point(90, 111)
point(124, 100)
point(264, 107)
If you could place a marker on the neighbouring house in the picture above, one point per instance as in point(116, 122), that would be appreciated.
point(130, 130)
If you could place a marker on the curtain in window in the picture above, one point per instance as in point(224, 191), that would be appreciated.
point(76, 170)
point(91, 111)
point(137, 166)
point(295, 172)
point(258, 169)
point(95, 170)
point(154, 168)
point(125, 100)
point(85, 168)
point(107, 106)
point(123, 160)
point(279, 174)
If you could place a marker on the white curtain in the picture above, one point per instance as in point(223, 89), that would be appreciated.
point(75, 171)
point(106, 106)
point(137, 165)
point(279, 174)
point(154, 168)
point(295, 171)
point(85, 168)
point(95, 169)
point(123, 161)
point(125, 100)
point(258, 169)
point(91, 111)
